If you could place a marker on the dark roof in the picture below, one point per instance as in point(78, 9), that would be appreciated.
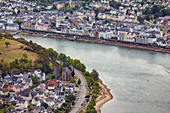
point(36, 98)
point(33, 93)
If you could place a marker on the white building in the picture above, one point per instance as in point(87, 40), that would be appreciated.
point(105, 1)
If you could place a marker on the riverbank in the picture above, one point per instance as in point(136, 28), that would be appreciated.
point(114, 43)
point(104, 97)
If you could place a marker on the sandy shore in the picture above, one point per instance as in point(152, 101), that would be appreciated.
point(144, 47)
point(104, 97)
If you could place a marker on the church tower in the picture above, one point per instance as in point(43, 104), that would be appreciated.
point(64, 74)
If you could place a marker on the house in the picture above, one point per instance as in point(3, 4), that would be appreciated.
point(69, 89)
point(26, 95)
point(6, 87)
point(102, 15)
point(35, 100)
point(122, 32)
point(51, 85)
point(129, 37)
point(39, 109)
point(11, 98)
point(49, 101)
point(166, 21)
point(104, 33)
point(105, 1)
point(43, 27)
point(145, 38)
point(16, 88)
point(9, 26)
point(34, 94)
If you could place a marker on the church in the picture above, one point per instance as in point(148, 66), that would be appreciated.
point(66, 73)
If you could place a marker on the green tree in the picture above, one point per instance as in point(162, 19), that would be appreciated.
point(73, 103)
point(95, 75)
point(1, 105)
point(79, 81)
point(97, 10)
point(70, 98)
point(21, 46)
point(51, 66)
point(5, 66)
point(18, 22)
point(7, 43)
point(73, 73)
point(35, 80)
point(64, 88)
point(1, 35)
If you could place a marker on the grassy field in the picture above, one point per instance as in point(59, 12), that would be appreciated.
point(13, 51)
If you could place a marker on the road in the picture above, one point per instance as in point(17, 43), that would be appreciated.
point(83, 91)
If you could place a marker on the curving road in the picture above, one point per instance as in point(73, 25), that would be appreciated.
point(82, 93)
point(83, 88)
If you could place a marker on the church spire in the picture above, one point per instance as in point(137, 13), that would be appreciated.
point(64, 65)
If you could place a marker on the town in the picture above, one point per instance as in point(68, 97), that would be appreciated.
point(37, 92)
point(140, 22)
point(136, 21)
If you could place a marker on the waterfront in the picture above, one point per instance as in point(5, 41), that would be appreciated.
point(138, 79)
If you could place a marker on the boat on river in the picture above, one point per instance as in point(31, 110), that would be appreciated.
point(72, 39)
point(45, 35)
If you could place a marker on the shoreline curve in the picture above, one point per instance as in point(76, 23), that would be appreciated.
point(104, 97)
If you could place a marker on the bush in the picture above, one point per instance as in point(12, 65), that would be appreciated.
point(21, 46)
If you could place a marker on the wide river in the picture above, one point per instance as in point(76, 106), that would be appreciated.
point(139, 80)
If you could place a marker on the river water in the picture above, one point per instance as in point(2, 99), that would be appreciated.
point(139, 80)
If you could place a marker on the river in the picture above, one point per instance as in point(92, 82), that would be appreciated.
point(139, 80)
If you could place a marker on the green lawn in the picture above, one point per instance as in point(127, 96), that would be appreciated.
point(13, 51)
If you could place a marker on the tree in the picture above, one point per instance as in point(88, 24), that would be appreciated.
point(73, 103)
point(18, 22)
point(35, 80)
point(21, 46)
point(44, 104)
point(7, 43)
point(54, 7)
point(140, 19)
point(70, 98)
point(1, 35)
point(73, 73)
point(35, 10)
point(95, 75)
point(18, 12)
point(5, 66)
point(64, 88)
point(79, 81)
point(51, 66)
point(13, 12)
point(53, 23)
point(97, 10)
point(8, 35)
point(1, 105)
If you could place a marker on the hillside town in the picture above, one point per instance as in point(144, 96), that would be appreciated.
point(99, 19)
point(35, 92)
